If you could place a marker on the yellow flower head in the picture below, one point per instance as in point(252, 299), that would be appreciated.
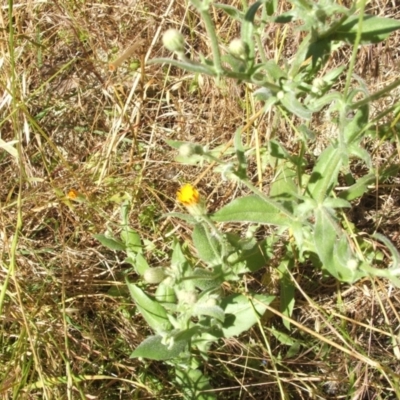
point(188, 195)
point(73, 194)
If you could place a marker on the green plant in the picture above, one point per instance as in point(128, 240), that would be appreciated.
point(305, 203)
point(188, 311)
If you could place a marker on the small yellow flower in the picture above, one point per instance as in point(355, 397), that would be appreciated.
point(188, 195)
point(73, 194)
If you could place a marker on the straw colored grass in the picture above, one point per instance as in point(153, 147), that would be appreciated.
point(68, 325)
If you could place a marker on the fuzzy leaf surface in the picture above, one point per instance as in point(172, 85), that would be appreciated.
point(110, 243)
point(152, 311)
point(333, 248)
point(208, 247)
point(374, 29)
point(132, 240)
point(152, 348)
point(325, 173)
point(193, 382)
point(253, 209)
point(241, 314)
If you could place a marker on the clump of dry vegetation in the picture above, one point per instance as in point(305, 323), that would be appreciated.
point(91, 134)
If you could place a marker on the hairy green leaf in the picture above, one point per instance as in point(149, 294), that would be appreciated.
point(132, 240)
point(152, 348)
point(290, 102)
point(110, 243)
point(140, 264)
point(287, 289)
point(283, 185)
point(325, 173)
point(374, 29)
point(355, 126)
point(239, 149)
point(205, 279)
point(359, 188)
point(210, 311)
point(391, 247)
point(333, 248)
point(248, 27)
point(165, 293)
point(208, 247)
point(230, 10)
point(152, 311)
point(253, 209)
point(241, 313)
point(193, 382)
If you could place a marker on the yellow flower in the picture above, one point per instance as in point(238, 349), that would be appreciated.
point(73, 194)
point(188, 195)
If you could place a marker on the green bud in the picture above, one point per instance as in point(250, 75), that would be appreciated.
point(187, 297)
point(154, 275)
point(249, 234)
point(318, 85)
point(280, 95)
point(320, 14)
point(173, 41)
point(352, 264)
point(188, 150)
point(239, 49)
point(211, 302)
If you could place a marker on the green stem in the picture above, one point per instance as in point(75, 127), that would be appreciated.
point(205, 15)
point(188, 65)
point(376, 95)
point(355, 48)
point(261, 49)
point(196, 67)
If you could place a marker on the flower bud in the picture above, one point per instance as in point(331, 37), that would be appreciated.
point(352, 264)
point(173, 41)
point(211, 302)
point(187, 297)
point(239, 49)
point(154, 275)
point(320, 14)
point(318, 85)
point(189, 149)
point(280, 95)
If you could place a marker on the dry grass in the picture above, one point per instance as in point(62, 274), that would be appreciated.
point(68, 326)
